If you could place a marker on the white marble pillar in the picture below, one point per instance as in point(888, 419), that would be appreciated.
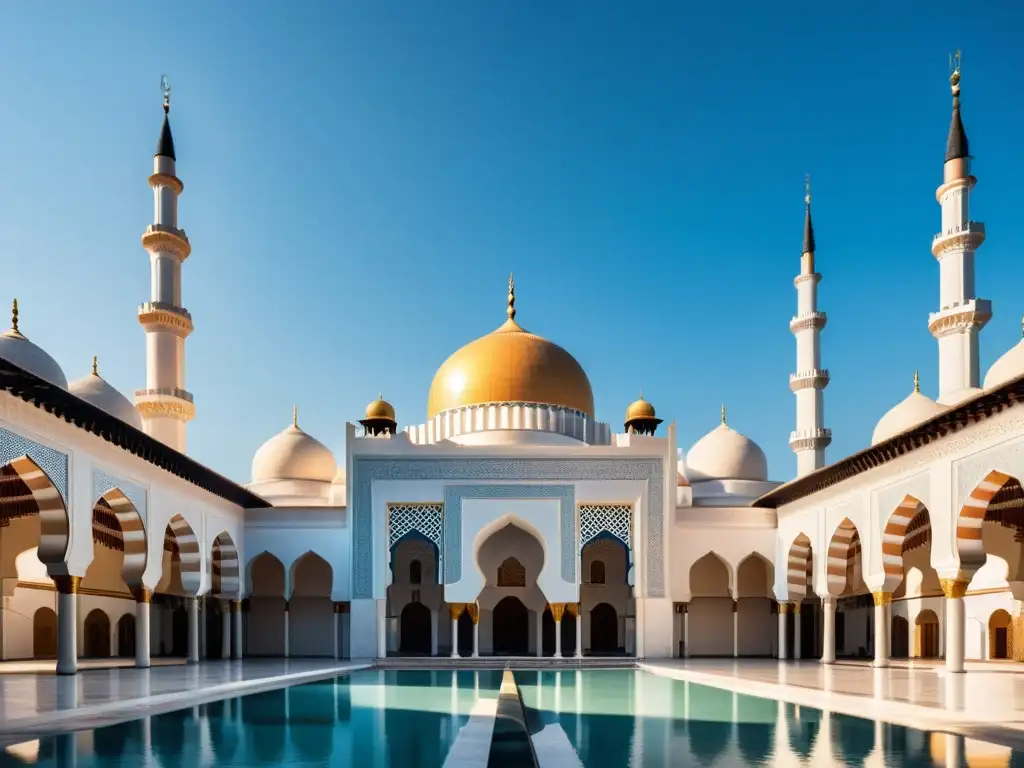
point(381, 632)
point(686, 630)
point(579, 635)
point(337, 631)
point(434, 626)
point(204, 652)
point(143, 598)
point(225, 629)
point(193, 630)
point(828, 630)
point(783, 612)
point(67, 624)
point(540, 633)
point(455, 610)
point(557, 610)
point(882, 602)
point(797, 634)
point(735, 629)
point(954, 590)
point(239, 629)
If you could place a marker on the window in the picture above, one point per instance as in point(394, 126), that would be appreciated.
point(415, 572)
point(597, 572)
point(511, 573)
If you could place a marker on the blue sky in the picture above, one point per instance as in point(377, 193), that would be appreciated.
point(360, 178)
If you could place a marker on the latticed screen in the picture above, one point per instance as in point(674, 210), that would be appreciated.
point(425, 519)
point(614, 519)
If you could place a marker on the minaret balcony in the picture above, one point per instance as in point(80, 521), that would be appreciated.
point(807, 320)
point(974, 313)
point(170, 402)
point(813, 377)
point(161, 238)
point(161, 316)
point(810, 439)
point(969, 237)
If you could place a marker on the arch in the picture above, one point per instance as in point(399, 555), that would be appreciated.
point(54, 524)
point(706, 566)
point(415, 630)
point(311, 622)
point(497, 525)
point(97, 634)
point(187, 544)
point(511, 573)
point(597, 572)
point(44, 634)
point(926, 635)
point(908, 526)
point(415, 572)
point(745, 580)
point(798, 567)
point(843, 547)
point(225, 566)
point(969, 522)
point(1000, 635)
point(604, 629)
point(117, 524)
point(510, 627)
point(311, 576)
point(266, 575)
point(265, 625)
point(126, 636)
point(899, 639)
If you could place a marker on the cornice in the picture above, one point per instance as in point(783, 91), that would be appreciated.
point(802, 322)
point(159, 238)
point(156, 316)
point(969, 238)
point(810, 440)
point(173, 403)
point(965, 181)
point(817, 378)
point(166, 180)
point(816, 277)
point(974, 314)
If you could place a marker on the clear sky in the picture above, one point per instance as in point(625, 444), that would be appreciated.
point(360, 179)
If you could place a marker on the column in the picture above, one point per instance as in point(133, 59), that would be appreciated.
point(578, 613)
point(557, 610)
point(455, 610)
point(828, 642)
point(797, 636)
point(239, 629)
point(540, 635)
point(954, 590)
point(473, 609)
point(225, 631)
point(193, 630)
point(434, 627)
point(337, 630)
point(686, 630)
point(882, 600)
point(204, 617)
point(783, 611)
point(143, 598)
point(735, 629)
point(288, 633)
point(67, 623)
point(382, 629)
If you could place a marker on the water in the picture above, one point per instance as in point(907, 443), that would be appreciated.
point(409, 719)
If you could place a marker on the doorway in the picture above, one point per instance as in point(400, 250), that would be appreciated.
point(126, 636)
point(414, 630)
point(511, 628)
point(97, 635)
point(604, 629)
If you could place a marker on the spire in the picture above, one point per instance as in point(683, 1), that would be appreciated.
point(511, 311)
point(165, 146)
point(808, 226)
point(917, 382)
point(723, 413)
point(14, 317)
point(295, 416)
point(95, 366)
point(956, 144)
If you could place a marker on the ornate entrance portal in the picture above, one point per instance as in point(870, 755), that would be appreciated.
point(511, 628)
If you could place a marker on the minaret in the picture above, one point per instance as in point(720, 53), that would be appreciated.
point(810, 438)
point(164, 404)
point(961, 314)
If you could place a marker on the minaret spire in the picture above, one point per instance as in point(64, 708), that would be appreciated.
point(511, 311)
point(810, 438)
point(165, 406)
point(961, 314)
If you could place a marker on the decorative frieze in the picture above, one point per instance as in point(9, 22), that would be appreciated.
point(53, 463)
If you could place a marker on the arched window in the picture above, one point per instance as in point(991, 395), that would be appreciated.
point(415, 572)
point(597, 572)
point(511, 573)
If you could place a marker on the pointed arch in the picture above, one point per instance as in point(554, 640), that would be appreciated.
point(265, 576)
point(224, 562)
point(843, 549)
point(749, 561)
point(35, 486)
point(908, 526)
point(969, 522)
point(183, 538)
point(712, 559)
point(117, 524)
point(310, 574)
point(798, 566)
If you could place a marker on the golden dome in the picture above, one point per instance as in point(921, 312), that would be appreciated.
point(510, 365)
point(640, 409)
point(380, 409)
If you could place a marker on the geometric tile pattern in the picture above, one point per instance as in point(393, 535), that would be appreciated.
point(103, 482)
point(53, 463)
point(425, 519)
point(614, 519)
point(366, 470)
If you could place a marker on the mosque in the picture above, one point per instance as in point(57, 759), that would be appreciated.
point(511, 522)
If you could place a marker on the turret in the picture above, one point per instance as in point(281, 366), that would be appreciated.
point(810, 438)
point(165, 406)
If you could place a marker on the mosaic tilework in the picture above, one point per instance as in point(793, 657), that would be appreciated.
point(103, 482)
point(454, 494)
point(53, 463)
point(596, 519)
point(365, 470)
point(425, 519)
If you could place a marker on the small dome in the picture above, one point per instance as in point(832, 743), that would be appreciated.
point(640, 409)
point(98, 391)
point(380, 409)
point(15, 348)
point(909, 413)
point(725, 454)
point(293, 455)
point(1007, 367)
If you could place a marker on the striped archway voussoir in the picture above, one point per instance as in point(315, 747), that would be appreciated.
point(53, 515)
point(188, 551)
point(225, 565)
point(133, 533)
point(894, 538)
point(971, 518)
point(843, 545)
point(798, 566)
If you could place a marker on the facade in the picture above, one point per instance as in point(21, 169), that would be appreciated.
point(512, 522)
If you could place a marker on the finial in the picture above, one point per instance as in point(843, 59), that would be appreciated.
point(641, 393)
point(14, 316)
point(511, 311)
point(807, 189)
point(917, 382)
point(295, 416)
point(95, 366)
point(954, 76)
point(1022, 327)
point(723, 413)
point(165, 86)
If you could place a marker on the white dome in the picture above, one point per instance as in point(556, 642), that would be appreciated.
point(725, 454)
point(1007, 367)
point(15, 348)
point(293, 455)
point(98, 391)
point(909, 413)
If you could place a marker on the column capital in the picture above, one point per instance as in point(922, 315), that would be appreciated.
point(557, 609)
point(67, 585)
point(474, 611)
point(287, 605)
point(573, 608)
point(783, 608)
point(881, 597)
point(828, 601)
point(953, 588)
point(455, 610)
point(735, 605)
point(341, 607)
point(795, 608)
point(141, 594)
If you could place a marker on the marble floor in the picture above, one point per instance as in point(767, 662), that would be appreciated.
point(35, 667)
point(987, 702)
point(34, 704)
